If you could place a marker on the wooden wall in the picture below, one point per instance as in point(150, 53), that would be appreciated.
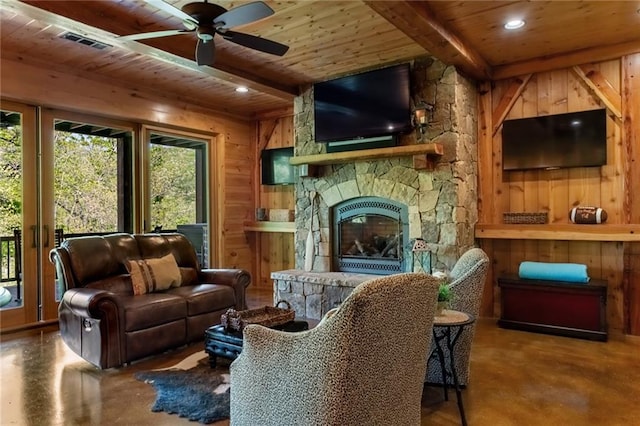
point(274, 251)
point(232, 180)
point(573, 89)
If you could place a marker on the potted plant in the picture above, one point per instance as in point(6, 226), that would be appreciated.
point(444, 297)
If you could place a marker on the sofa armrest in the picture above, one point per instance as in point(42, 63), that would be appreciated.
point(239, 279)
point(91, 303)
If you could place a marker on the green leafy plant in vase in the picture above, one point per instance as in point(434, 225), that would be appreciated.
point(444, 297)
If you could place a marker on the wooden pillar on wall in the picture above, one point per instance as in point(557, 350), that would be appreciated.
point(485, 188)
point(631, 141)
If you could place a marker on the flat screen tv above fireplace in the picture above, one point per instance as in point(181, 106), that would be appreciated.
point(577, 139)
point(363, 106)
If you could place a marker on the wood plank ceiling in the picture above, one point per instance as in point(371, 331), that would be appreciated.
point(326, 38)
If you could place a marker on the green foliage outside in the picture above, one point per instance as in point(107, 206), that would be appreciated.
point(85, 183)
point(173, 182)
point(10, 174)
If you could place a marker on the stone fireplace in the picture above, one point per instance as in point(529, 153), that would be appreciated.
point(438, 205)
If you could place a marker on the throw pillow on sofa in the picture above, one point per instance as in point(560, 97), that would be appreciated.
point(149, 275)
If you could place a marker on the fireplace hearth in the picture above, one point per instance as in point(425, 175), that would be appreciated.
point(368, 235)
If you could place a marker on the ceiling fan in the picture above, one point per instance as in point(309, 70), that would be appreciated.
point(208, 19)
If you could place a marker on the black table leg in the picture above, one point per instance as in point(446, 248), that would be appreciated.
point(450, 343)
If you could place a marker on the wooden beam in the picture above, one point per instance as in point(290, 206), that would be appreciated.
point(566, 60)
point(485, 154)
point(508, 100)
point(368, 154)
point(274, 113)
point(418, 22)
point(228, 74)
point(568, 232)
point(631, 205)
point(601, 87)
point(267, 132)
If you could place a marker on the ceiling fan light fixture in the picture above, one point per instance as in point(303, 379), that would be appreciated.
point(208, 19)
point(242, 89)
point(514, 24)
point(206, 33)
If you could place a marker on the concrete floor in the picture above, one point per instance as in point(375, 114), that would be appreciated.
point(517, 378)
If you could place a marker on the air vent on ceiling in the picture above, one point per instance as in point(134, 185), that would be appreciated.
point(77, 38)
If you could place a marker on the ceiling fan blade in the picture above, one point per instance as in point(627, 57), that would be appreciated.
point(243, 14)
point(257, 43)
point(154, 34)
point(205, 52)
point(172, 10)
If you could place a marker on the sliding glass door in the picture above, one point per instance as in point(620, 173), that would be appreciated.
point(88, 170)
point(20, 256)
point(176, 186)
point(65, 175)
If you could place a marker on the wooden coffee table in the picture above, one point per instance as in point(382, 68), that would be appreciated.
point(228, 344)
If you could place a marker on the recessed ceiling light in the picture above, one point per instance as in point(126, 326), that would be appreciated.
point(242, 89)
point(514, 25)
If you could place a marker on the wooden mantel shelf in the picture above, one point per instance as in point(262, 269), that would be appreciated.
point(270, 226)
point(564, 232)
point(428, 149)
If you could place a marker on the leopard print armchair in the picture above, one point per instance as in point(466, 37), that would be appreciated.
point(362, 365)
point(467, 279)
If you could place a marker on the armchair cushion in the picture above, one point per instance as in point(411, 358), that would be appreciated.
point(362, 365)
point(467, 280)
point(155, 274)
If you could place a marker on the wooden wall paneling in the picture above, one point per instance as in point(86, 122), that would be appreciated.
point(631, 141)
point(530, 178)
point(274, 251)
point(559, 189)
point(508, 100)
point(543, 89)
point(501, 266)
point(487, 157)
point(602, 88)
point(612, 175)
point(584, 182)
point(238, 207)
point(611, 186)
point(47, 87)
point(500, 194)
point(485, 154)
point(514, 104)
point(631, 288)
point(487, 307)
point(613, 270)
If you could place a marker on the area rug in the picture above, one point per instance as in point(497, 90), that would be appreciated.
point(199, 393)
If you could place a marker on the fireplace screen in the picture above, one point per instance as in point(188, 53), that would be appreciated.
point(368, 236)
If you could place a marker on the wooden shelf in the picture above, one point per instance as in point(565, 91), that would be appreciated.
point(270, 226)
point(568, 232)
point(428, 149)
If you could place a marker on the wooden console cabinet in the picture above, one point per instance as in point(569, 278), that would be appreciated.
point(554, 307)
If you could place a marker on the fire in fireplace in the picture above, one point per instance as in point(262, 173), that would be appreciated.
point(368, 236)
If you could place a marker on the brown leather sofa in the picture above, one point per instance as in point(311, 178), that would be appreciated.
point(106, 324)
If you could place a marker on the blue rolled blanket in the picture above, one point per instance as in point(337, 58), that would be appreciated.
point(571, 272)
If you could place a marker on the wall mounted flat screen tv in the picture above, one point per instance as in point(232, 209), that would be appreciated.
point(373, 103)
point(577, 139)
point(276, 169)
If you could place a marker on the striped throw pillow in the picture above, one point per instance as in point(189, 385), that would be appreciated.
point(149, 275)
